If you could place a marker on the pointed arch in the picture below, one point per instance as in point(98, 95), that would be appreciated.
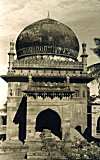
point(98, 126)
point(49, 119)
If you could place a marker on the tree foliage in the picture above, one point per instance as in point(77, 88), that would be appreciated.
point(83, 150)
point(70, 150)
point(96, 50)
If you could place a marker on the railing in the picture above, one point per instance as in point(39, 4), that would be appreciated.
point(49, 84)
point(47, 50)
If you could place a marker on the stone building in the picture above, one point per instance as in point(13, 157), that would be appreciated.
point(96, 119)
point(47, 85)
point(94, 70)
point(3, 118)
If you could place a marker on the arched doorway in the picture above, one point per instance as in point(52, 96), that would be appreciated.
point(98, 125)
point(49, 119)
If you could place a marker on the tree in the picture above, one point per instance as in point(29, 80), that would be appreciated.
point(97, 49)
point(95, 68)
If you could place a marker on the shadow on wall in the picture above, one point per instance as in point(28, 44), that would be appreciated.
point(20, 118)
point(47, 119)
point(87, 135)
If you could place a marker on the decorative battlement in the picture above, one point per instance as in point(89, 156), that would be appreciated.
point(46, 61)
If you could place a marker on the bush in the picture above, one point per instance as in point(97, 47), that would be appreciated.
point(82, 150)
point(70, 150)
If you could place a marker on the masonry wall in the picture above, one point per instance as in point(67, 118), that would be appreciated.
point(14, 99)
point(73, 112)
point(95, 116)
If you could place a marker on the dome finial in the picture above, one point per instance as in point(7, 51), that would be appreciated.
point(48, 15)
point(12, 47)
point(48, 9)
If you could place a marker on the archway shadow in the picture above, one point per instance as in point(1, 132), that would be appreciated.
point(87, 135)
point(49, 119)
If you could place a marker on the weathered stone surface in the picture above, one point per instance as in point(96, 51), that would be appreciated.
point(50, 77)
point(12, 150)
point(95, 118)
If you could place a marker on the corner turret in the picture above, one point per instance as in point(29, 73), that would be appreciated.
point(11, 55)
point(84, 56)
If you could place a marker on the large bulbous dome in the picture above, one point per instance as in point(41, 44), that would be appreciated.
point(47, 36)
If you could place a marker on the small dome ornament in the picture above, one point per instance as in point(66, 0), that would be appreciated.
point(84, 50)
point(84, 47)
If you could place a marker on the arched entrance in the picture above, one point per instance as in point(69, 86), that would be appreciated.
point(49, 119)
point(98, 125)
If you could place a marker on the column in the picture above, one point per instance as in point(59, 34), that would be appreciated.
point(30, 127)
point(12, 129)
point(66, 109)
point(94, 123)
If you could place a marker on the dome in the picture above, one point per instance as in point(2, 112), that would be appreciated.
point(47, 36)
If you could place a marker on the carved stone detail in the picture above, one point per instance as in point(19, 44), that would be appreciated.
point(52, 95)
point(46, 61)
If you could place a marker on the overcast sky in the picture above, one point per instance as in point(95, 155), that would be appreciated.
point(82, 16)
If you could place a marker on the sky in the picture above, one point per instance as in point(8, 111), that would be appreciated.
point(82, 16)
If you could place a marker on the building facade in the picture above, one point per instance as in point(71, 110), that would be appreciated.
point(95, 100)
point(3, 122)
point(96, 120)
point(47, 85)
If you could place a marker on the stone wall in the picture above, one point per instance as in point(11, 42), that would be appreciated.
point(71, 111)
point(95, 116)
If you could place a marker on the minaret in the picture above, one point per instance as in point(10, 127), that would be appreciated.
point(84, 58)
point(11, 56)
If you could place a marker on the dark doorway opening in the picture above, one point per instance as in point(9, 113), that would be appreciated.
point(98, 126)
point(4, 120)
point(49, 119)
